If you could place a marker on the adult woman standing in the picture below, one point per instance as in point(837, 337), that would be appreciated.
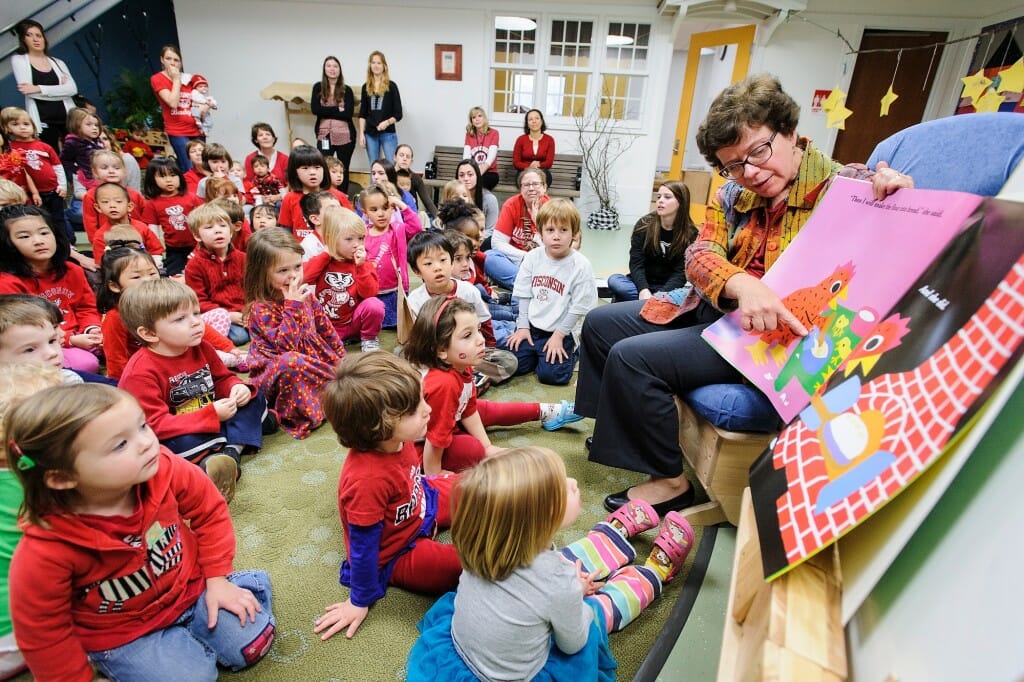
point(658, 247)
point(468, 173)
point(175, 99)
point(333, 104)
point(534, 148)
point(265, 140)
point(777, 179)
point(481, 145)
point(45, 81)
point(380, 108)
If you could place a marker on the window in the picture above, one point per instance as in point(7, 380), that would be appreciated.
point(566, 66)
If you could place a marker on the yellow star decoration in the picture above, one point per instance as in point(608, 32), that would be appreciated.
point(887, 101)
point(990, 101)
point(974, 86)
point(837, 116)
point(1012, 79)
point(833, 100)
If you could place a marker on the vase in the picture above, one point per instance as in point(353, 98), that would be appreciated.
point(604, 218)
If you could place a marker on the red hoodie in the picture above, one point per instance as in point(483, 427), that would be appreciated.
point(75, 588)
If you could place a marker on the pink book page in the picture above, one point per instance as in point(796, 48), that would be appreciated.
point(851, 262)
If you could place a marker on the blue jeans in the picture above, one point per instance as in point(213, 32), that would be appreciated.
point(245, 428)
point(377, 141)
point(178, 143)
point(238, 334)
point(622, 288)
point(188, 650)
point(502, 330)
point(531, 357)
point(501, 269)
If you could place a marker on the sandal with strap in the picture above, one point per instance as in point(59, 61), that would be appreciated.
point(634, 517)
point(674, 541)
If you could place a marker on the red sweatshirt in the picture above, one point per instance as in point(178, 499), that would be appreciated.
point(340, 285)
point(175, 392)
point(41, 163)
point(76, 588)
point(171, 214)
point(217, 283)
point(71, 293)
point(93, 219)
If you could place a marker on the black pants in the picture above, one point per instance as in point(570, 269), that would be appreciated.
point(630, 370)
point(489, 180)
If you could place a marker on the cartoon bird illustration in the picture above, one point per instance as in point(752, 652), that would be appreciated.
point(885, 336)
point(810, 306)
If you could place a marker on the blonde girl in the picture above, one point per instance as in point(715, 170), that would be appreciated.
point(481, 145)
point(455, 189)
point(346, 283)
point(294, 347)
point(41, 162)
point(380, 108)
point(386, 244)
point(127, 556)
point(555, 615)
point(447, 343)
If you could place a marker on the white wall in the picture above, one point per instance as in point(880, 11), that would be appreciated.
point(302, 34)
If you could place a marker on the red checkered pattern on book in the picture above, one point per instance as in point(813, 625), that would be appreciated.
point(921, 408)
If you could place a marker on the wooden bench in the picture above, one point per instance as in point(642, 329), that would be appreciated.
point(566, 172)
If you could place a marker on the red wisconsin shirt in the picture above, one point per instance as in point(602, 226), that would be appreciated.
point(71, 293)
point(40, 161)
point(171, 214)
point(340, 285)
point(451, 396)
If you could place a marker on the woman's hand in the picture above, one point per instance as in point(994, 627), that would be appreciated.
point(29, 88)
point(534, 164)
point(887, 180)
point(173, 72)
point(339, 616)
point(362, 140)
point(385, 124)
point(760, 308)
point(223, 594)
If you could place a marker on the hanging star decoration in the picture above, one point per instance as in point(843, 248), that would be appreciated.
point(887, 101)
point(1012, 79)
point(835, 110)
point(990, 101)
point(974, 86)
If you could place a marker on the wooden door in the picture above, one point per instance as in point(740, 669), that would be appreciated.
point(871, 77)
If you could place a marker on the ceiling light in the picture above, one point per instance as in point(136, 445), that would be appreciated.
point(515, 24)
point(620, 40)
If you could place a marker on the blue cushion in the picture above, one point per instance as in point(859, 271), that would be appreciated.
point(734, 407)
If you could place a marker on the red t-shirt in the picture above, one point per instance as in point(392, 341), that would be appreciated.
point(383, 487)
point(72, 293)
point(171, 214)
point(93, 219)
point(451, 396)
point(178, 121)
point(40, 160)
point(290, 213)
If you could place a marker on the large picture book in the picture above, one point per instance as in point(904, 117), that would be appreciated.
point(914, 375)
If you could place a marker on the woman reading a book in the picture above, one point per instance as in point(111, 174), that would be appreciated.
point(776, 179)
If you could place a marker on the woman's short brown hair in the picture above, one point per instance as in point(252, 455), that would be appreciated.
point(509, 507)
point(755, 101)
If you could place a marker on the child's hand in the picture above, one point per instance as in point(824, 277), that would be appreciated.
point(222, 594)
point(36, 199)
point(492, 450)
point(62, 192)
point(587, 582)
point(554, 349)
point(397, 203)
point(338, 616)
point(236, 317)
point(360, 256)
point(86, 341)
point(517, 338)
point(296, 290)
point(241, 394)
point(84, 261)
point(226, 408)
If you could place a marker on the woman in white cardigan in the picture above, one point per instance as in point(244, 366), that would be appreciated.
point(45, 81)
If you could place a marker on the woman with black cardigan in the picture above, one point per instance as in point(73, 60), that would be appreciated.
point(380, 108)
point(333, 105)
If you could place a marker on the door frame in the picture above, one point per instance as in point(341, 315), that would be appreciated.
point(743, 38)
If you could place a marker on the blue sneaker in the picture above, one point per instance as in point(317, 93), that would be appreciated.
point(564, 416)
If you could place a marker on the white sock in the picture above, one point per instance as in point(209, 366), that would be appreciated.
point(549, 410)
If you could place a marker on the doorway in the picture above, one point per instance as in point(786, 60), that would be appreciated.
point(871, 77)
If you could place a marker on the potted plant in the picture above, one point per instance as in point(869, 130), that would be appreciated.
point(601, 143)
point(131, 100)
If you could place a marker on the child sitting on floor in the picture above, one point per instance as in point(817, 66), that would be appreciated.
point(126, 562)
point(446, 342)
point(554, 614)
point(390, 512)
point(216, 268)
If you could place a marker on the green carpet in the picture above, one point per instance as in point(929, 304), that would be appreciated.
point(286, 522)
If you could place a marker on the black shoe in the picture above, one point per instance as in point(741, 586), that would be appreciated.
point(270, 423)
point(589, 443)
point(677, 503)
point(504, 298)
point(482, 383)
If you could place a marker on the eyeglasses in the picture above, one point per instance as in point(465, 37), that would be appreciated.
point(531, 185)
point(758, 156)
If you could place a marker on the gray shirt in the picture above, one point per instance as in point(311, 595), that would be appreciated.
point(502, 629)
